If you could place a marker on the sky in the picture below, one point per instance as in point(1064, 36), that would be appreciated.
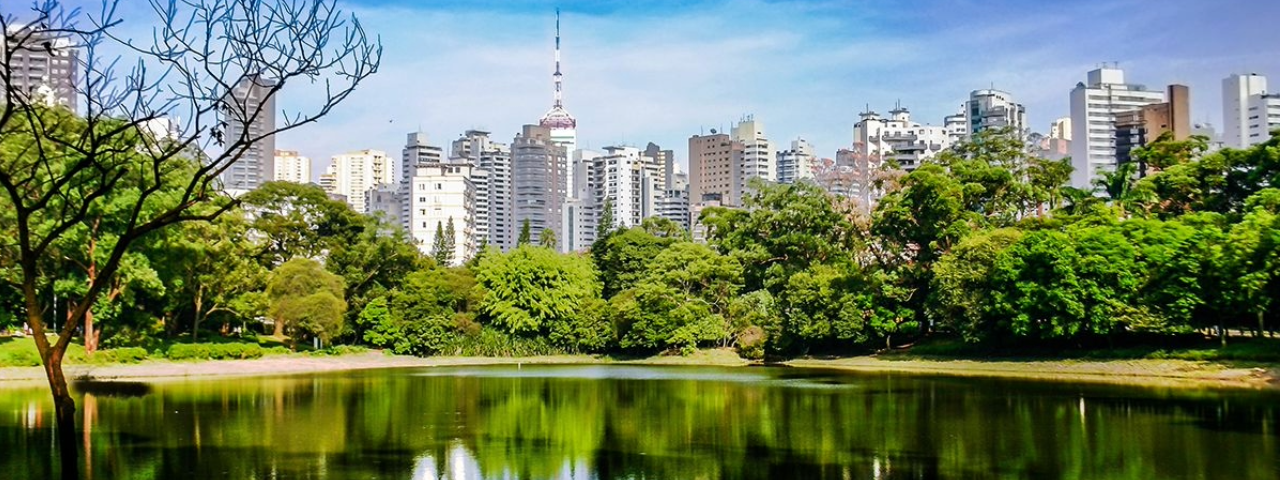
point(660, 71)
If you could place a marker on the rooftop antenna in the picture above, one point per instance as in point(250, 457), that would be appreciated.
point(558, 76)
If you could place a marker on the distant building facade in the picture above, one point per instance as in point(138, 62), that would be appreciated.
point(250, 115)
point(898, 138)
point(1250, 113)
point(47, 76)
point(1094, 106)
point(292, 167)
point(354, 174)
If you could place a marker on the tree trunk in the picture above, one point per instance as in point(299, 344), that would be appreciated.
point(90, 336)
point(65, 416)
point(195, 319)
point(1262, 323)
point(279, 329)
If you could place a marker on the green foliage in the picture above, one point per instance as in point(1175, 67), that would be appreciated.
point(526, 235)
point(214, 351)
point(623, 257)
point(306, 298)
point(529, 290)
point(681, 303)
point(607, 223)
point(548, 239)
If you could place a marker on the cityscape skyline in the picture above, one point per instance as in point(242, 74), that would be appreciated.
point(806, 68)
point(695, 70)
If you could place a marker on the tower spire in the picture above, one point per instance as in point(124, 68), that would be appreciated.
point(558, 76)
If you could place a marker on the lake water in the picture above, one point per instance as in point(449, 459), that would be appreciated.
point(614, 422)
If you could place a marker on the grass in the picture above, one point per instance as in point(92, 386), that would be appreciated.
point(21, 351)
point(1238, 349)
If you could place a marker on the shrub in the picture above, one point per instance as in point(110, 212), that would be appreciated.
point(215, 351)
point(337, 350)
point(120, 355)
point(751, 343)
point(492, 343)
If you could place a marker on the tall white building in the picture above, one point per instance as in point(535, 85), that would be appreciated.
point(1249, 112)
point(994, 109)
point(756, 159)
point(797, 163)
point(354, 174)
point(898, 138)
point(957, 124)
point(45, 70)
point(580, 213)
point(251, 117)
point(623, 175)
point(1094, 106)
point(674, 203)
point(292, 167)
point(438, 193)
point(491, 177)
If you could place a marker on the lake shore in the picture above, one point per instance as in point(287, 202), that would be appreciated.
point(1162, 373)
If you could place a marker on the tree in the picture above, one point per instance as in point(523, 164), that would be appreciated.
point(211, 266)
point(1253, 260)
point(450, 242)
point(665, 228)
point(373, 263)
point(440, 247)
point(306, 299)
point(294, 220)
point(681, 302)
point(426, 314)
point(58, 167)
point(548, 238)
point(526, 235)
point(607, 222)
point(624, 256)
point(529, 290)
point(783, 229)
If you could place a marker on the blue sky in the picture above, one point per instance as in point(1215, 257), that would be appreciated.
point(663, 70)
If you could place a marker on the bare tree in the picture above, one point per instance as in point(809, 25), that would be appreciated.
point(58, 165)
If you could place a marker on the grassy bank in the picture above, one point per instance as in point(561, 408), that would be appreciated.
point(21, 351)
point(1245, 363)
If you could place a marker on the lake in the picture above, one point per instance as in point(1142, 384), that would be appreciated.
point(647, 422)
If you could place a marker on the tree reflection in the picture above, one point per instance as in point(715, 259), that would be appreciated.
point(490, 423)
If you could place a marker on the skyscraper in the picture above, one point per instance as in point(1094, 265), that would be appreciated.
point(1094, 105)
point(491, 177)
point(44, 75)
point(354, 174)
point(796, 164)
point(292, 167)
point(711, 159)
point(417, 151)
point(251, 117)
point(539, 181)
point(993, 109)
point(1249, 112)
point(1136, 128)
point(756, 160)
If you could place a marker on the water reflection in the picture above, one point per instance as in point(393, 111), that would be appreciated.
point(602, 422)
